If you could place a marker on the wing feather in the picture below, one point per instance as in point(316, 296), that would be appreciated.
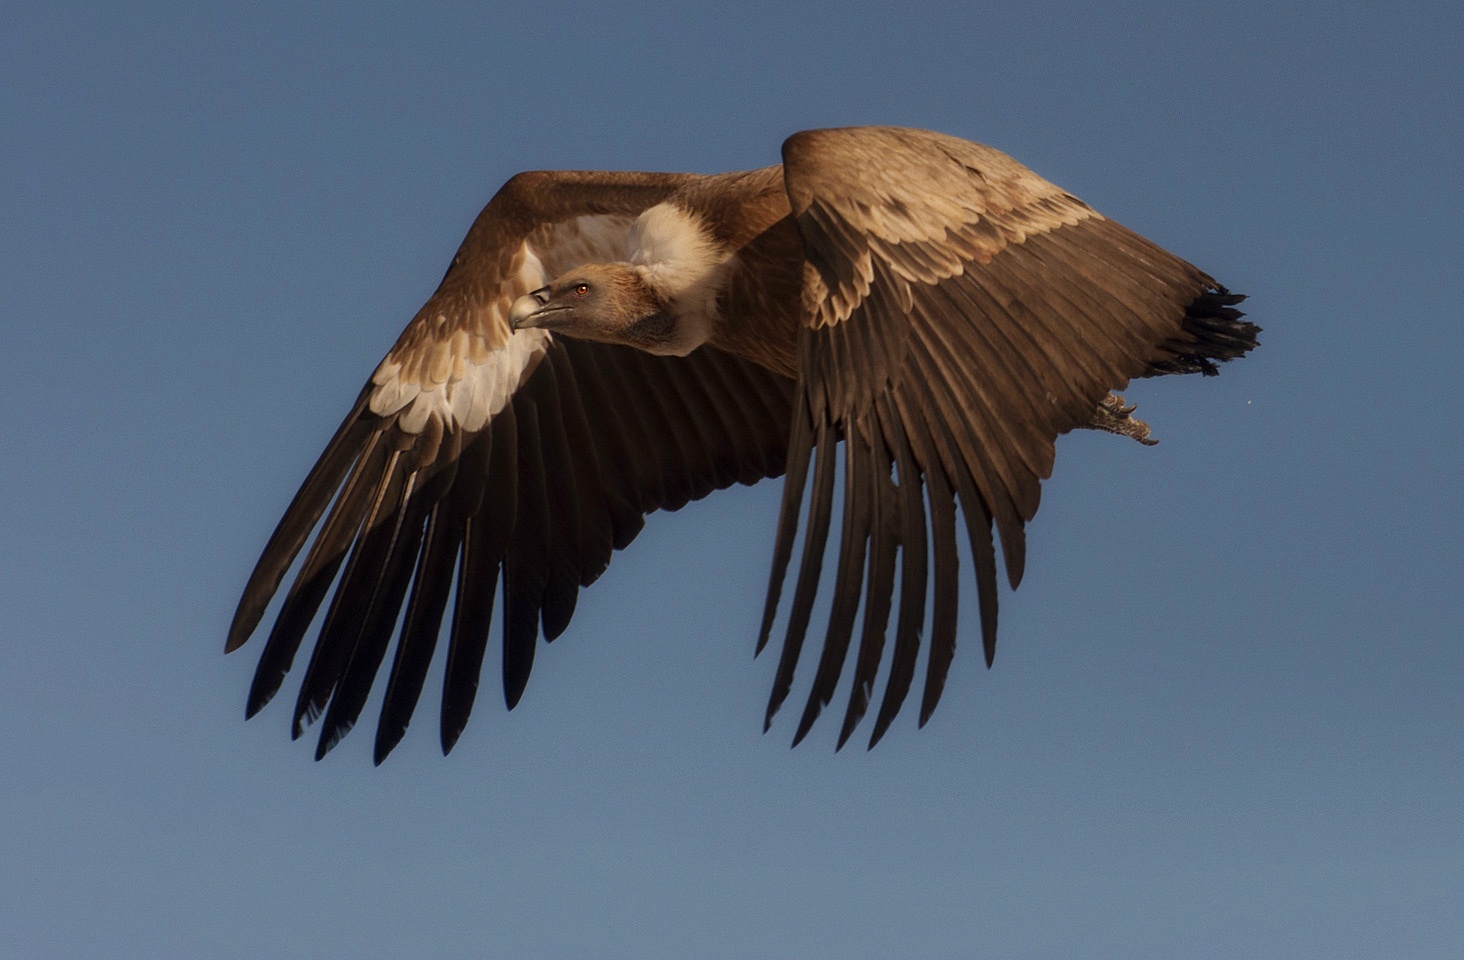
point(526, 568)
point(914, 567)
point(316, 576)
point(800, 450)
point(879, 591)
point(601, 507)
point(487, 532)
point(398, 540)
point(944, 559)
point(566, 518)
point(303, 514)
point(354, 594)
point(815, 538)
point(853, 544)
point(431, 587)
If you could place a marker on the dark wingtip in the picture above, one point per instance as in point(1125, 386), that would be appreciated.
point(800, 451)
point(1215, 333)
point(762, 639)
point(851, 720)
point(520, 639)
point(387, 738)
point(877, 736)
point(257, 701)
point(1015, 568)
point(556, 617)
point(804, 725)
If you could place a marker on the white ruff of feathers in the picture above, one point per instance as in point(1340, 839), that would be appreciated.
point(676, 256)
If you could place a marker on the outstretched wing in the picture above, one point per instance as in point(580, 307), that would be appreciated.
point(477, 453)
point(960, 313)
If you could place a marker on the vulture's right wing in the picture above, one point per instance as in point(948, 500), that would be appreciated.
point(478, 453)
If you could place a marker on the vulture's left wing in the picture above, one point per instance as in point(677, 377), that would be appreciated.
point(960, 313)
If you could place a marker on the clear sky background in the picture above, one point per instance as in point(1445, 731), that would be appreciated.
point(1227, 713)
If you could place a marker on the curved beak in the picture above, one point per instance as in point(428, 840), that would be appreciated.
point(529, 310)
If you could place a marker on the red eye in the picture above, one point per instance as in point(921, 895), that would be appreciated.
point(581, 289)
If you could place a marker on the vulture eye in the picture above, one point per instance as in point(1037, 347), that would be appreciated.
point(581, 289)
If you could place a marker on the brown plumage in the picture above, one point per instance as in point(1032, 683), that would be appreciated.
point(604, 345)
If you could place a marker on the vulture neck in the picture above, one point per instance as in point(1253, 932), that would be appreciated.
point(684, 267)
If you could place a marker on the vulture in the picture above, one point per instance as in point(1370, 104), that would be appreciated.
point(921, 311)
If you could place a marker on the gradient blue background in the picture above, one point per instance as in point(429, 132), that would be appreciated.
point(1226, 715)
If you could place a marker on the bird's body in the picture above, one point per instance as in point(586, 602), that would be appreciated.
point(608, 344)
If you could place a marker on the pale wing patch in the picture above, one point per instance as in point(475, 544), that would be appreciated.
point(930, 261)
point(458, 362)
point(473, 393)
point(459, 365)
point(917, 186)
point(912, 207)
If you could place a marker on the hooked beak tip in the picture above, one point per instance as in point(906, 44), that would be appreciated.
point(521, 314)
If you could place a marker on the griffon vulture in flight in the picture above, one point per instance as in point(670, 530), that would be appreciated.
point(604, 345)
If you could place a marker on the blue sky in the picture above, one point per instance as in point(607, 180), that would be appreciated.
point(1225, 718)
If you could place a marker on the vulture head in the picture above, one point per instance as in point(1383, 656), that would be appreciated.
point(606, 302)
point(662, 299)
